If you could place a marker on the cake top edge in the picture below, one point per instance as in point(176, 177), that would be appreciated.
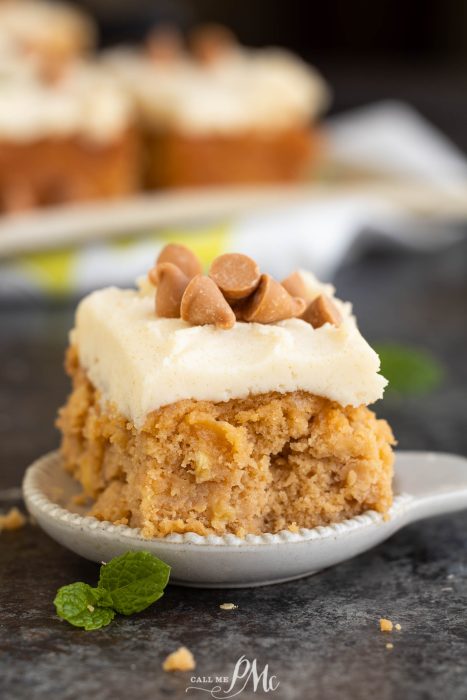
point(140, 359)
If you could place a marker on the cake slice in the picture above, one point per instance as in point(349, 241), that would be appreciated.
point(64, 140)
point(225, 403)
point(217, 113)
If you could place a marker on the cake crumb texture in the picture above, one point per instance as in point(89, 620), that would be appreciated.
point(261, 464)
point(180, 660)
point(13, 520)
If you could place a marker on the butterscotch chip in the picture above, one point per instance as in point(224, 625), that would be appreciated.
point(271, 303)
point(152, 276)
point(164, 44)
point(236, 275)
point(322, 310)
point(180, 660)
point(203, 303)
point(298, 307)
point(295, 286)
point(211, 42)
point(171, 283)
point(182, 257)
point(237, 308)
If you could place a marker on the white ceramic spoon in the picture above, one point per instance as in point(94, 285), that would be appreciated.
point(425, 484)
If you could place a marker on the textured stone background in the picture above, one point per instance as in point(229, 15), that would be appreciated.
point(319, 635)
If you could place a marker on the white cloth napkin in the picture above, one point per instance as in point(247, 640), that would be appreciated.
point(391, 137)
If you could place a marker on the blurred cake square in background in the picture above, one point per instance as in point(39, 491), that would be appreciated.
point(62, 140)
point(49, 33)
point(214, 112)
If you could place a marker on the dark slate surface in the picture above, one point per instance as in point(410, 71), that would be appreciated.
point(319, 635)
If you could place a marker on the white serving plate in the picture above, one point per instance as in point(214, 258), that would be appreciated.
point(426, 484)
point(78, 224)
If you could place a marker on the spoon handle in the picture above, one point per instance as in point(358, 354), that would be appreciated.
point(436, 481)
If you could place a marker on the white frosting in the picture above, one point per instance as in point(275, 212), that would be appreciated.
point(45, 24)
point(140, 362)
point(87, 102)
point(267, 89)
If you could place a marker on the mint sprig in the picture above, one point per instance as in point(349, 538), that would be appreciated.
point(127, 584)
point(410, 370)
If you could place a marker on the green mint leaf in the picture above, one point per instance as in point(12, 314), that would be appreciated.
point(127, 584)
point(79, 604)
point(409, 370)
point(104, 597)
point(134, 581)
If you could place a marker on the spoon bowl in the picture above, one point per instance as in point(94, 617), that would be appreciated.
point(425, 484)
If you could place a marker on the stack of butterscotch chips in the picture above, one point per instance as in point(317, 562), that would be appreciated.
point(234, 290)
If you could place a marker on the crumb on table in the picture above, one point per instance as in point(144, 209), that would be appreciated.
point(180, 660)
point(228, 606)
point(12, 520)
point(398, 627)
point(385, 625)
point(389, 645)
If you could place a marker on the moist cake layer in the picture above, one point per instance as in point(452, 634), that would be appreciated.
point(252, 465)
point(64, 170)
point(139, 362)
point(178, 159)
